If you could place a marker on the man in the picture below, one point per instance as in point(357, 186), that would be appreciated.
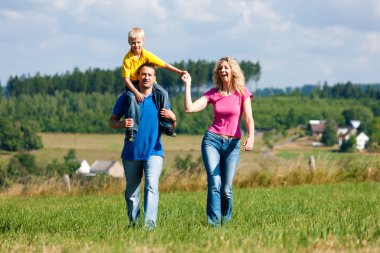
point(145, 154)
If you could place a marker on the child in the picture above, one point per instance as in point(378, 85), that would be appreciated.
point(136, 57)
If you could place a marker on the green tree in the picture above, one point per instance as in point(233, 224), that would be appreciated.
point(329, 137)
point(11, 138)
point(69, 166)
point(30, 137)
point(374, 131)
point(15, 137)
point(4, 181)
point(1, 93)
point(348, 145)
point(71, 155)
point(22, 165)
point(361, 113)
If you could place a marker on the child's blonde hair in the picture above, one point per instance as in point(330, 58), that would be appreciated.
point(135, 32)
point(238, 80)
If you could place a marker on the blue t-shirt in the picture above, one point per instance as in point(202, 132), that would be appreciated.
point(148, 138)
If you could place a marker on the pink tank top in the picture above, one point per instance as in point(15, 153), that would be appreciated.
point(227, 111)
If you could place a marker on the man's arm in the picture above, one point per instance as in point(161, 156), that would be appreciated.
point(115, 122)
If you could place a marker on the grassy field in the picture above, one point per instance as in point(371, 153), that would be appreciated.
point(318, 214)
point(93, 147)
point(285, 165)
point(332, 218)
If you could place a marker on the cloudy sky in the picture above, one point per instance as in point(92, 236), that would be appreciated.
point(296, 42)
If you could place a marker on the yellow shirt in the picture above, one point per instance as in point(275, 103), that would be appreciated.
point(131, 64)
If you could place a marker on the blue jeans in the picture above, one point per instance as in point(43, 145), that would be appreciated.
point(134, 171)
point(221, 157)
point(160, 98)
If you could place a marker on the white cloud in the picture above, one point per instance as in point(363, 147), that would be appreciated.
point(371, 43)
point(195, 10)
point(362, 61)
point(377, 8)
point(295, 41)
point(11, 14)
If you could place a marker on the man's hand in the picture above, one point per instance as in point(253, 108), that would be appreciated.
point(115, 122)
point(139, 97)
point(128, 123)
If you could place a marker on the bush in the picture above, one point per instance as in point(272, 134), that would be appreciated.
point(374, 147)
point(329, 133)
point(21, 165)
point(348, 145)
point(15, 136)
point(4, 182)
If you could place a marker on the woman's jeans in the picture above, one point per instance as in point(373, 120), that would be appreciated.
point(221, 157)
point(134, 171)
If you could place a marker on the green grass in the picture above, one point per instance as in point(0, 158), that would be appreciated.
point(340, 217)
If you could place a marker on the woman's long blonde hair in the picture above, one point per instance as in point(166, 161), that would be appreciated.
point(238, 80)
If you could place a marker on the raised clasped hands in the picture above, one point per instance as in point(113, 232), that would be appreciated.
point(186, 78)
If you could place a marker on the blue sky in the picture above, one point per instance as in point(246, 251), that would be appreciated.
point(296, 42)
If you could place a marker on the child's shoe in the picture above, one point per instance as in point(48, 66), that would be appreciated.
point(167, 128)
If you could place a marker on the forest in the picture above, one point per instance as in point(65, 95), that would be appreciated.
point(81, 102)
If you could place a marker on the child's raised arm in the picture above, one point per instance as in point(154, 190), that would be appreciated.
point(175, 70)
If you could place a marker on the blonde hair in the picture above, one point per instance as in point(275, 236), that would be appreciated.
point(135, 32)
point(238, 80)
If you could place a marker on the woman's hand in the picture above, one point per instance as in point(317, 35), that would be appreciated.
point(186, 78)
point(248, 144)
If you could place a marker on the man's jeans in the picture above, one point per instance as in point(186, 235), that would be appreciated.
point(134, 171)
point(221, 157)
point(160, 98)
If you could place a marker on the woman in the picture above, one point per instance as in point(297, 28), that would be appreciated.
point(221, 142)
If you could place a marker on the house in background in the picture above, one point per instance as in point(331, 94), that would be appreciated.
point(354, 125)
point(84, 167)
point(352, 130)
point(316, 127)
point(111, 168)
point(361, 141)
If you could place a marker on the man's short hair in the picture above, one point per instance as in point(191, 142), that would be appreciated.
point(149, 65)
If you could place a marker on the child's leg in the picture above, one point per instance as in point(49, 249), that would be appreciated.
point(161, 99)
point(162, 96)
point(132, 110)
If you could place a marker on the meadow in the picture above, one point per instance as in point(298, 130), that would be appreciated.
point(333, 218)
point(280, 205)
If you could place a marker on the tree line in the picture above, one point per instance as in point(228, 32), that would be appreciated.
point(339, 90)
point(110, 81)
point(88, 113)
point(81, 102)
